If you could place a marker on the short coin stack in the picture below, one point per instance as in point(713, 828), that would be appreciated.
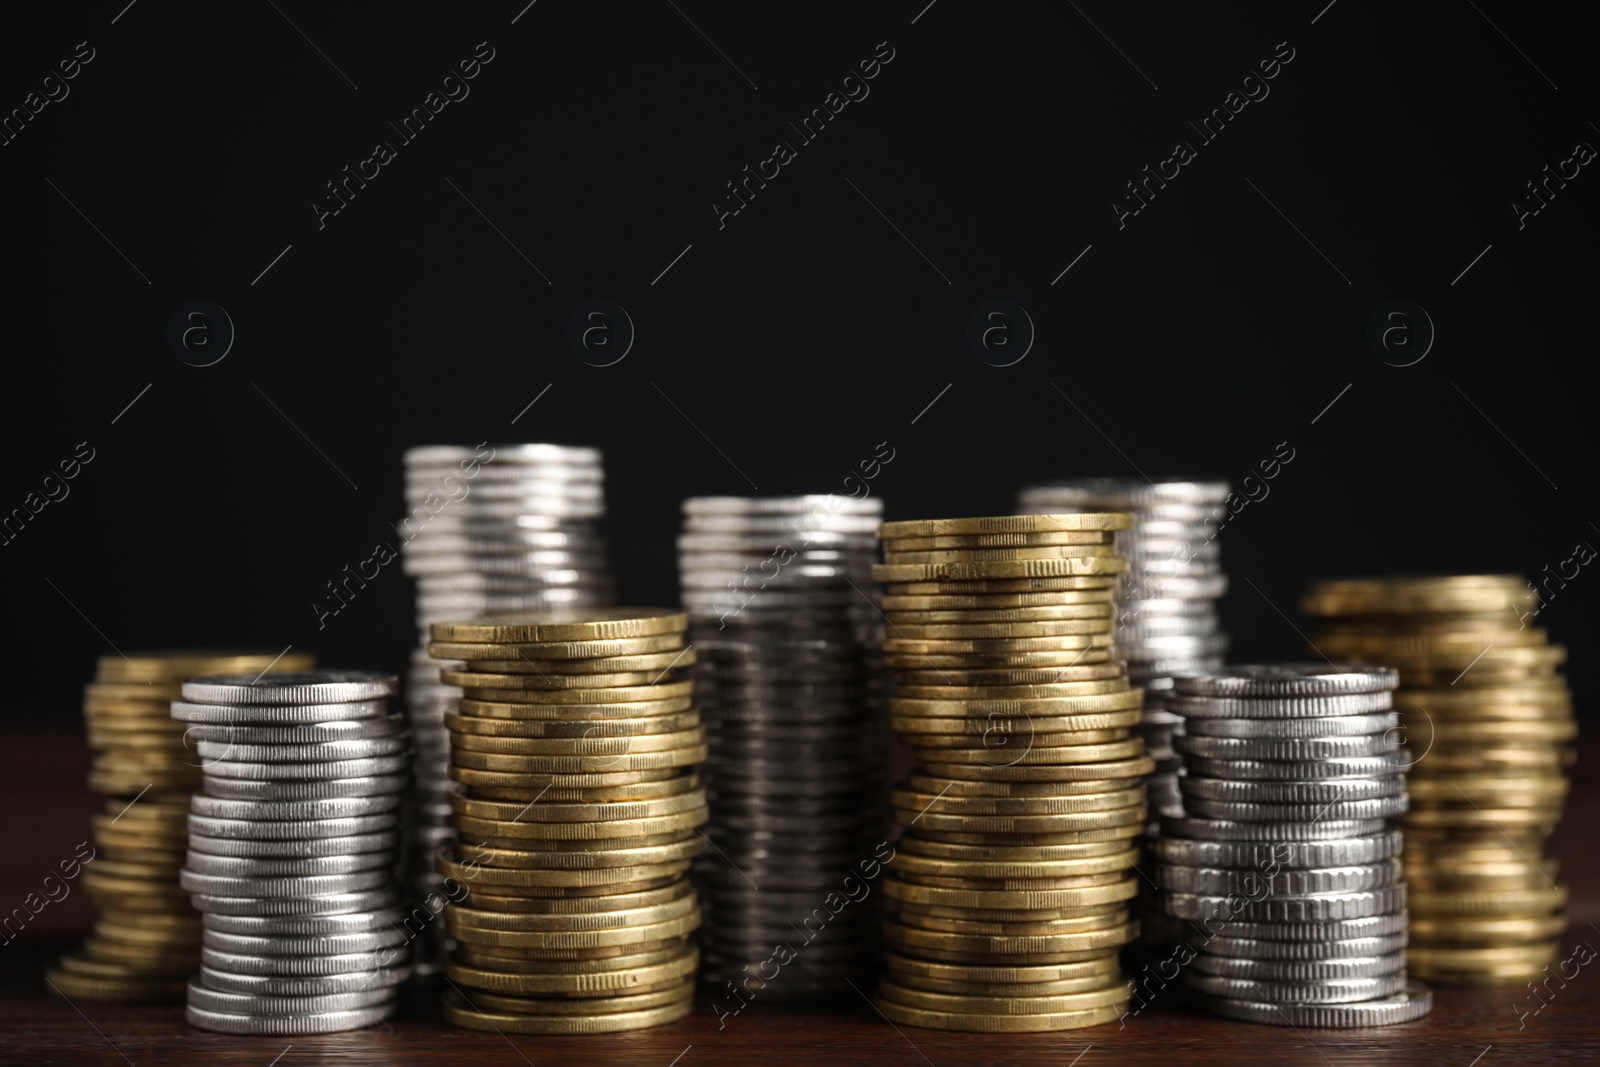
point(146, 940)
point(576, 821)
point(1013, 878)
point(789, 681)
point(491, 528)
point(1284, 864)
point(1488, 724)
point(293, 846)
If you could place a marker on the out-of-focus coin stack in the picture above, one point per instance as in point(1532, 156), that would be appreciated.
point(789, 680)
point(1167, 620)
point(146, 940)
point(577, 819)
point(494, 528)
point(1284, 862)
point(1488, 725)
point(293, 850)
point(1013, 878)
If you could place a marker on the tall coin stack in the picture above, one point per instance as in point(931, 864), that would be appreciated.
point(778, 595)
point(1013, 878)
point(293, 849)
point(1488, 724)
point(146, 940)
point(578, 815)
point(1284, 863)
point(494, 528)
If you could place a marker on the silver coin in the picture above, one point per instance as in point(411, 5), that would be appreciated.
point(1176, 824)
point(315, 752)
point(797, 525)
point(269, 772)
point(312, 733)
point(1286, 707)
point(315, 925)
point(1346, 789)
point(1332, 726)
point(307, 687)
point(814, 503)
point(1301, 971)
point(281, 790)
point(294, 849)
point(251, 1004)
point(1120, 494)
point(1214, 881)
point(501, 455)
point(294, 966)
point(1388, 925)
point(1299, 770)
point(309, 986)
point(292, 829)
point(1323, 908)
point(359, 942)
point(1136, 628)
point(330, 904)
point(1327, 991)
point(253, 867)
point(301, 886)
point(1289, 680)
point(269, 715)
point(288, 1025)
point(326, 808)
point(1260, 949)
point(1412, 1003)
point(1251, 811)
point(1159, 587)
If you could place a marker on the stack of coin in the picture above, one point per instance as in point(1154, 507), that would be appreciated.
point(1013, 878)
point(1488, 724)
point(576, 821)
point(293, 850)
point(1283, 863)
point(494, 528)
point(784, 620)
point(146, 941)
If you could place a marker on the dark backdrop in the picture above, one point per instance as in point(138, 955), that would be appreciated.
point(822, 319)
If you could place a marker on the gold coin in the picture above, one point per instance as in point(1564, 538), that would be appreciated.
point(150, 967)
point(528, 650)
point(1034, 756)
point(1005, 669)
point(1060, 587)
point(1466, 958)
point(507, 879)
point(578, 900)
point(511, 811)
point(1499, 974)
point(577, 624)
point(1409, 596)
point(115, 990)
point(956, 692)
point(1011, 852)
point(911, 865)
point(896, 603)
point(1001, 540)
point(994, 726)
point(1006, 524)
point(991, 646)
point(678, 926)
point(517, 864)
point(478, 682)
point(1500, 819)
point(592, 745)
point(536, 850)
point(1136, 766)
point(1443, 760)
point(476, 710)
point(510, 785)
point(106, 708)
point(657, 995)
point(958, 1003)
point(993, 900)
point(902, 1014)
point(1432, 931)
point(134, 691)
point(924, 974)
point(573, 765)
point(458, 1012)
point(965, 805)
point(677, 953)
point(183, 664)
point(490, 829)
point(678, 784)
point(1551, 694)
point(1058, 823)
point(998, 885)
point(895, 556)
point(1127, 700)
point(1109, 833)
point(999, 630)
point(1494, 791)
point(1066, 567)
point(1006, 617)
point(1006, 743)
point(1508, 903)
point(608, 667)
point(642, 915)
point(586, 689)
point(959, 787)
point(547, 728)
point(1422, 733)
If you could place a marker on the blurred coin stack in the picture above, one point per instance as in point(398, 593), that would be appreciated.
point(784, 620)
point(293, 850)
point(1488, 725)
point(1284, 863)
point(1013, 878)
point(146, 941)
point(576, 820)
point(494, 528)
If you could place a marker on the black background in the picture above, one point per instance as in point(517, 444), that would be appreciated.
point(808, 330)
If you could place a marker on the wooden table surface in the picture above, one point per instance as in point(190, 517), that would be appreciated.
point(47, 812)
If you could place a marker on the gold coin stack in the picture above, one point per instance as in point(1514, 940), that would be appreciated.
point(146, 940)
point(578, 814)
point(1488, 724)
point(1013, 878)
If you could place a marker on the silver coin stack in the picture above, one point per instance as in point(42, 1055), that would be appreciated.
point(780, 598)
point(293, 851)
point(492, 528)
point(1284, 863)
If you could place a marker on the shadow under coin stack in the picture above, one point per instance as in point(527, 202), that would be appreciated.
point(1488, 726)
point(577, 818)
point(1284, 864)
point(1013, 878)
point(777, 591)
point(494, 528)
point(293, 850)
point(146, 940)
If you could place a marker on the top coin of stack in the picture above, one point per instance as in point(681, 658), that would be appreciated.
point(579, 814)
point(1488, 722)
point(494, 528)
point(146, 941)
point(778, 590)
point(1281, 862)
point(1014, 874)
